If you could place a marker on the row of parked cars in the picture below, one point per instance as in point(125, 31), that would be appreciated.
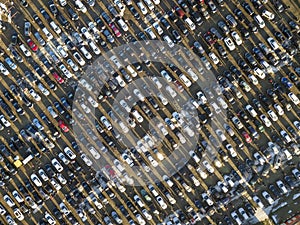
point(234, 83)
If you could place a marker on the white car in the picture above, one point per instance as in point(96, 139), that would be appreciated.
point(140, 220)
point(94, 47)
point(57, 165)
point(194, 156)
point(43, 175)
point(162, 128)
point(69, 153)
point(258, 202)
point(44, 90)
point(55, 27)
point(267, 196)
point(138, 200)
point(25, 51)
point(166, 75)
point(201, 97)
point(163, 99)
point(62, 52)
point(294, 98)
point(3, 70)
point(259, 72)
point(17, 196)
point(236, 218)
point(229, 181)
point(243, 213)
point(231, 150)
point(274, 45)
point(64, 209)
point(214, 58)
point(50, 219)
point(61, 179)
point(127, 159)
point(202, 173)
point(253, 79)
point(106, 123)
point(92, 101)
point(87, 160)
point(167, 180)
point(229, 43)
point(34, 95)
point(157, 82)
point(137, 116)
point(209, 168)
point(259, 158)
point(79, 59)
point(55, 184)
point(278, 109)
point(195, 180)
point(36, 180)
point(272, 115)
point(139, 94)
point(65, 71)
point(72, 65)
point(222, 186)
point(296, 173)
point(265, 120)
point(142, 7)
point(297, 124)
point(185, 80)
point(221, 102)
point(285, 135)
point(18, 214)
point(236, 37)
point(207, 199)
point(94, 152)
point(146, 214)
point(281, 186)
point(221, 135)
point(251, 110)
point(85, 52)
point(171, 91)
point(274, 147)
point(63, 158)
point(161, 202)
point(52, 112)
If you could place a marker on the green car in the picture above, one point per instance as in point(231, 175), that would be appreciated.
point(145, 195)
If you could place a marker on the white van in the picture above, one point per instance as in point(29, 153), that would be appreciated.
point(190, 23)
point(122, 24)
point(260, 22)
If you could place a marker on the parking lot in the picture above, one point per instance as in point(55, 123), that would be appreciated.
point(68, 149)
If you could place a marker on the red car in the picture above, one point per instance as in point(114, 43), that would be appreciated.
point(209, 38)
point(247, 137)
point(115, 29)
point(32, 45)
point(111, 171)
point(58, 78)
point(179, 11)
point(63, 126)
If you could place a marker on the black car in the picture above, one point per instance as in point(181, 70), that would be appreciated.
point(63, 21)
point(250, 59)
point(248, 8)
point(196, 16)
point(165, 23)
point(240, 15)
point(73, 15)
point(52, 7)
